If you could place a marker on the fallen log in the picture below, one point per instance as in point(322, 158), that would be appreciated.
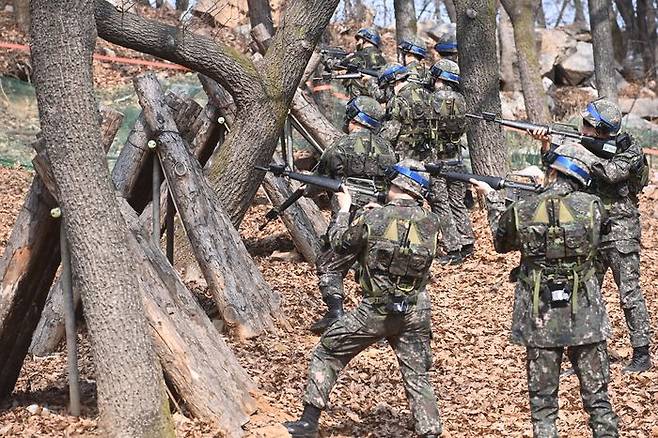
point(245, 300)
point(312, 119)
point(132, 167)
point(28, 267)
point(196, 360)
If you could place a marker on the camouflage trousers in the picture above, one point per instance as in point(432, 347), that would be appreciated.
point(447, 202)
point(626, 273)
point(591, 364)
point(408, 335)
point(332, 268)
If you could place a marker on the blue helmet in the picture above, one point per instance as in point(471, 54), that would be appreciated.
point(365, 111)
point(370, 35)
point(392, 73)
point(446, 70)
point(446, 48)
point(604, 115)
point(573, 160)
point(408, 176)
point(413, 47)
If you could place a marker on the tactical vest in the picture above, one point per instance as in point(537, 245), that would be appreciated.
point(400, 247)
point(448, 121)
point(558, 239)
point(415, 110)
point(365, 155)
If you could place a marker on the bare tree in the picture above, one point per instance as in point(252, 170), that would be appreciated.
point(405, 19)
point(580, 12)
point(261, 12)
point(22, 14)
point(450, 8)
point(522, 14)
point(509, 71)
point(476, 29)
point(182, 5)
point(262, 95)
point(540, 15)
point(646, 24)
point(604, 55)
point(131, 391)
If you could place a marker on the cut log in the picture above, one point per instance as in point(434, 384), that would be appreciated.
point(245, 300)
point(50, 329)
point(312, 119)
point(27, 270)
point(196, 360)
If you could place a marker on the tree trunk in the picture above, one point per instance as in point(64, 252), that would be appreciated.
point(540, 16)
point(182, 5)
point(197, 361)
point(560, 15)
point(245, 300)
point(260, 12)
point(314, 121)
point(476, 29)
point(450, 8)
point(131, 393)
point(604, 55)
point(580, 12)
point(509, 71)
point(523, 20)
point(22, 14)
point(405, 20)
point(646, 28)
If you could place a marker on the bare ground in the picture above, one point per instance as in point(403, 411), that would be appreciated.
point(478, 375)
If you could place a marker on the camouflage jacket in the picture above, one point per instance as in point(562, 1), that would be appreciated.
point(557, 247)
point(360, 154)
point(610, 182)
point(448, 122)
point(408, 113)
point(371, 58)
point(396, 245)
point(418, 71)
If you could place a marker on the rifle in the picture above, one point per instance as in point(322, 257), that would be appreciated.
point(353, 72)
point(275, 212)
point(363, 186)
point(495, 182)
point(601, 148)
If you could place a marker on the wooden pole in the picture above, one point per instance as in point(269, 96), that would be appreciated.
point(155, 232)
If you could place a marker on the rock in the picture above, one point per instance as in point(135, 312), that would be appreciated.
point(549, 85)
point(633, 121)
point(290, 256)
point(107, 51)
point(577, 67)
point(436, 30)
point(645, 107)
point(10, 10)
point(555, 43)
point(33, 409)
point(512, 105)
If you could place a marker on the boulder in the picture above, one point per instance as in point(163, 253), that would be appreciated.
point(645, 107)
point(577, 67)
point(434, 31)
point(555, 43)
point(512, 105)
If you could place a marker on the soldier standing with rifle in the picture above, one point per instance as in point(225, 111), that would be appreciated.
point(447, 126)
point(618, 180)
point(361, 155)
point(395, 246)
point(558, 304)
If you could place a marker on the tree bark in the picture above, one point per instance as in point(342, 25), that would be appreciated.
point(580, 12)
point(131, 392)
point(260, 12)
point(314, 121)
point(450, 8)
point(476, 29)
point(405, 20)
point(245, 300)
point(196, 360)
point(646, 27)
point(604, 54)
point(182, 5)
point(521, 12)
point(509, 71)
point(252, 142)
point(22, 14)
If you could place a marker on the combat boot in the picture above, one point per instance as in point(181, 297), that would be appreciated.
point(335, 311)
point(451, 258)
point(641, 360)
point(307, 425)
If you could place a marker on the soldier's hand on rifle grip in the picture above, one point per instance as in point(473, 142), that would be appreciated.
point(344, 200)
point(482, 187)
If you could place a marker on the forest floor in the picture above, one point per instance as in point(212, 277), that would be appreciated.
point(478, 376)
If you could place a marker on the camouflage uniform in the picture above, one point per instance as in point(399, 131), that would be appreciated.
point(557, 233)
point(370, 57)
point(412, 113)
point(620, 247)
point(395, 245)
point(361, 154)
point(448, 125)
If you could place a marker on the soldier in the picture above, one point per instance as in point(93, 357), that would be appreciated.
point(447, 128)
point(361, 154)
point(368, 55)
point(395, 247)
point(558, 302)
point(618, 181)
point(447, 47)
point(412, 54)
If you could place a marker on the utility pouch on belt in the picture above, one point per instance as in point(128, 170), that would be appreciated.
point(397, 305)
point(558, 292)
